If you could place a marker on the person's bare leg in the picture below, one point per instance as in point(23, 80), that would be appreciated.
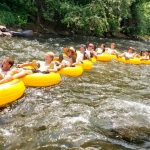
point(6, 79)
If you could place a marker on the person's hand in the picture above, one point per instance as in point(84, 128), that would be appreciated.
point(19, 65)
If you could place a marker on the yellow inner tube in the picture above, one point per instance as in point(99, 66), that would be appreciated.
point(145, 62)
point(72, 71)
point(104, 57)
point(40, 79)
point(93, 60)
point(134, 61)
point(11, 91)
point(86, 65)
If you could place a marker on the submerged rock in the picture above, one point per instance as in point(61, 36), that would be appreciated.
point(123, 120)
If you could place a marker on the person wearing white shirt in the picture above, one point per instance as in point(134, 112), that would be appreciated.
point(129, 54)
point(45, 66)
point(112, 49)
point(100, 49)
point(81, 53)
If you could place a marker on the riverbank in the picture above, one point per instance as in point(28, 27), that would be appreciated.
point(55, 30)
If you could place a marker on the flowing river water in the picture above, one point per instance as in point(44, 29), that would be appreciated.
point(107, 108)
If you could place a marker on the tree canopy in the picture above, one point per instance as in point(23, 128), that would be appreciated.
point(93, 17)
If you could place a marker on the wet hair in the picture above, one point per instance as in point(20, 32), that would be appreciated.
point(149, 54)
point(94, 47)
point(141, 53)
point(103, 46)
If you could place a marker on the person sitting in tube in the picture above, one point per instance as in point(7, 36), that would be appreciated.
point(129, 54)
point(5, 67)
point(81, 54)
point(90, 51)
point(112, 50)
point(100, 49)
point(45, 66)
point(7, 74)
point(68, 59)
point(145, 55)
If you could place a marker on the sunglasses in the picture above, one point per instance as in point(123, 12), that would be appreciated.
point(90, 46)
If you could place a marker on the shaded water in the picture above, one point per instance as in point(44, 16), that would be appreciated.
point(107, 108)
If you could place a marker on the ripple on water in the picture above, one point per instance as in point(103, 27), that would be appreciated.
point(106, 108)
point(124, 120)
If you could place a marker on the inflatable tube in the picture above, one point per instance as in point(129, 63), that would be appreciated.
point(41, 80)
point(106, 57)
point(86, 65)
point(26, 33)
point(72, 71)
point(146, 62)
point(11, 91)
point(134, 61)
point(121, 59)
point(93, 60)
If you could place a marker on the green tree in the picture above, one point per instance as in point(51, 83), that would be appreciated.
point(93, 17)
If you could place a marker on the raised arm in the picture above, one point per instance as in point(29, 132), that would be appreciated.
point(34, 64)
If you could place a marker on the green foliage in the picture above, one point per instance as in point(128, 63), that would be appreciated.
point(93, 17)
point(6, 15)
point(15, 11)
point(7, 18)
point(96, 17)
point(143, 18)
point(51, 10)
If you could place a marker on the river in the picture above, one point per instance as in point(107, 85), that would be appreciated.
point(107, 108)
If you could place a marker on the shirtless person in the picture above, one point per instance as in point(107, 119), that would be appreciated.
point(7, 74)
point(4, 31)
